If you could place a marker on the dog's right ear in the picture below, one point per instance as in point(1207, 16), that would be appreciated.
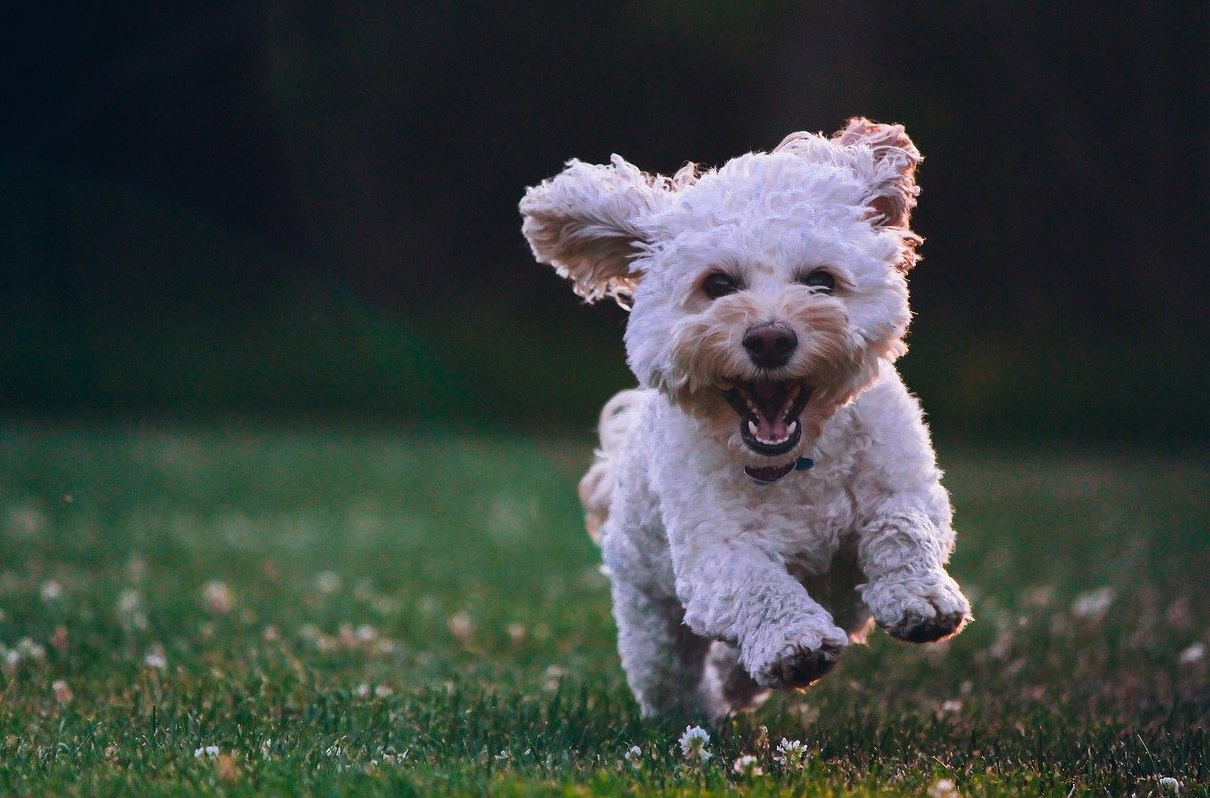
point(586, 222)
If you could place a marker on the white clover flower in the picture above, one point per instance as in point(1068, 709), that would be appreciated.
point(634, 757)
point(950, 708)
point(28, 649)
point(130, 609)
point(1169, 784)
point(62, 691)
point(129, 601)
point(383, 691)
point(51, 590)
point(205, 750)
point(553, 677)
point(1193, 655)
point(747, 766)
point(693, 744)
point(791, 754)
point(156, 658)
point(219, 596)
point(328, 582)
point(25, 521)
point(461, 626)
point(943, 788)
point(1093, 605)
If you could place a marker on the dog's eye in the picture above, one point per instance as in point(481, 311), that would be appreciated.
point(819, 280)
point(719, 284)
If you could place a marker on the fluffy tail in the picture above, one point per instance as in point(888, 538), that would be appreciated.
point(596, 487)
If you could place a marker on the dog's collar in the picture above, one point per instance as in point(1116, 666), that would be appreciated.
point(770, 474)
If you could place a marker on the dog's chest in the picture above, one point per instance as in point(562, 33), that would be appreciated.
point(804, 519)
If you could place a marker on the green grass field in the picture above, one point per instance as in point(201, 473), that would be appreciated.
point(293, 610)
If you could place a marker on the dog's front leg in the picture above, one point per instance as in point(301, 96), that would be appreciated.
point(734, 590)
point(908, 591)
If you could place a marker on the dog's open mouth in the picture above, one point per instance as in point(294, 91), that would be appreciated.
point(768, 413)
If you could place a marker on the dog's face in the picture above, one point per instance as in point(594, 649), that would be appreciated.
point(766, 294)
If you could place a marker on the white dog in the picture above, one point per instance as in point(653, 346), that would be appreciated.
point(770, 488)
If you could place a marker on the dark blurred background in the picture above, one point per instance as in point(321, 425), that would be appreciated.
point(309, 208)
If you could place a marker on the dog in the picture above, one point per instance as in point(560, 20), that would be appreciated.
point(769, 492)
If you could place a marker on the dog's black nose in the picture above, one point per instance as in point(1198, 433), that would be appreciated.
point(770, 345)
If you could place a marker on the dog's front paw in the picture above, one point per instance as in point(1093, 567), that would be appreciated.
point(918, 608)
point(796, 659)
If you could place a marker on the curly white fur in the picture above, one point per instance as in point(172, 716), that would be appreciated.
point(769, 302)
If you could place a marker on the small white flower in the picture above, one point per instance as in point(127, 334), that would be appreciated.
point(461, 626)
point(129, 601)
point(328, 582)
point(62, 691)
point(747, 765)
point(693, 743)
point(1169, 784)
point(51, 590)
point(1192, 655)
point(156, 658)
point(219, 597)
point(553, 676)
point(383, 691)
point(30, 650)
point(943, 788)
point(25, 522)
point(130, 610)
point(949, 708)
point(634, 757)
point(1093, 605)
point(504, 757)
point(205, 750)
point(791, 754)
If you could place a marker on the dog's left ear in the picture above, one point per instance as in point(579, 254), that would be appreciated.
point(894, 190)
point(587, 223)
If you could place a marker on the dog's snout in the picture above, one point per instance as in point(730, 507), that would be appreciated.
point(770, 345)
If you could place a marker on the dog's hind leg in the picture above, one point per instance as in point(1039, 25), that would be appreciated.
point(726, 686)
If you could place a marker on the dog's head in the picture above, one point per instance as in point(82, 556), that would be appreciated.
point(765, 294)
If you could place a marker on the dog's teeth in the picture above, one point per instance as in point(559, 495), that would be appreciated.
point(793, 425)
point(753, 429)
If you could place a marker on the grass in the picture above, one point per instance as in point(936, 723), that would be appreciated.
point(331, 611)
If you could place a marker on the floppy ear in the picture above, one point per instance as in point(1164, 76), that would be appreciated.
point(894, 190)
point(586, 223)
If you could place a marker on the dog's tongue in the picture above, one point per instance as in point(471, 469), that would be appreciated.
point(769, 400)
